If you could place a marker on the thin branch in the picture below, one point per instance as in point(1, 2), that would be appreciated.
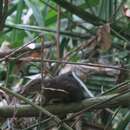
point(28, 50)
point(39, 123)
point(18, 49)
point(75, 63)
point(42, 101)
point(98, 104)
point(58, 32)
point(64, 14)
point(123, 123)
point(42, 69)
point(37, 107)
point(86, 16)
point(82, 46)
point(62, 109)
point(79, 12)
point(42, 29)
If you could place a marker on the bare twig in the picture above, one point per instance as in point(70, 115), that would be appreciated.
point(42, 101)
point(58, 32)
point(63, 109)
point(28, 50)
point(119, 86)
point(39, 123)
point(42, 69)
point(98, 104)
point(110, 121)
point(39, 108)
point(82, 46)
point(75, 63)
point(18, 49)
point(43, 30)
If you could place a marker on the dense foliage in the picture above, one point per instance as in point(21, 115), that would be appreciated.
point(46, 37)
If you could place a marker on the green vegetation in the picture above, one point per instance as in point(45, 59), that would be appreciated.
point(46, 37)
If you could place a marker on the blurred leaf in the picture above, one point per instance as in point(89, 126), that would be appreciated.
point(17, 36)
point(10, 76)
point(91, 3)
point(51, 18)
point(36, 11)
point(123, 122)
point(63, 45)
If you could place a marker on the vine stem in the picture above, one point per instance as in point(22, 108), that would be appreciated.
point(39, 108)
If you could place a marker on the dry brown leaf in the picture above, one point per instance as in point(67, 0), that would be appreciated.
point(35, 55)
point(104, 38)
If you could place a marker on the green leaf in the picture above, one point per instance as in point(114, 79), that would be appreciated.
point(36, 11)
point(16, 35)
point(51, 18)
point(64, 44)
point(91, 3)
